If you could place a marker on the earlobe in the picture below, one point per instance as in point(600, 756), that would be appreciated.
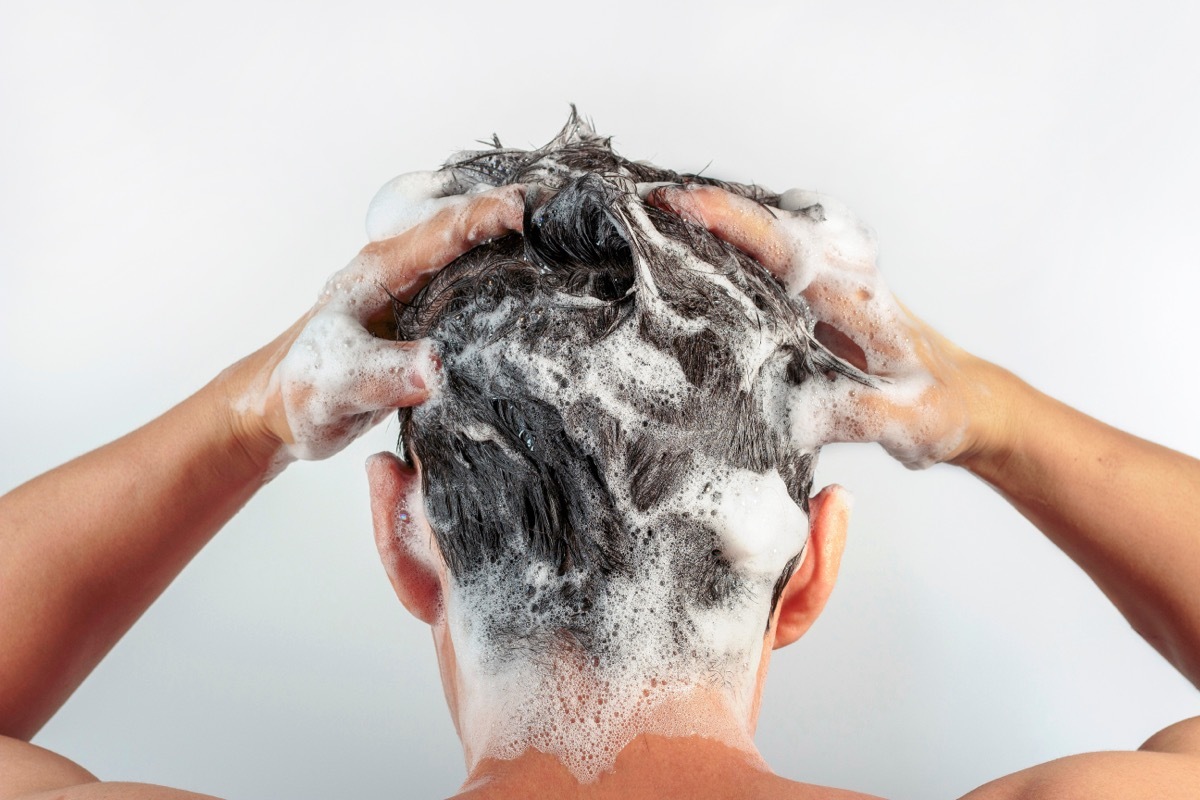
point(403, 536)
point(810, 586)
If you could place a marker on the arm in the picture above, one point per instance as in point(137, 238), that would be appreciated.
point(1126, 510)
point(87, 547)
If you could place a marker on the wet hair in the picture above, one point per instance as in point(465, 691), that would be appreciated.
point(527, 460)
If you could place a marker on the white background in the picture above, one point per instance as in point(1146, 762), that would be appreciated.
point(176, 182)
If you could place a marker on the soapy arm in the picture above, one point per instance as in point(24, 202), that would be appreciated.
point(87, 547)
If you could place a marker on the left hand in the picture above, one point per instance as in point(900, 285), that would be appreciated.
point(925, 407)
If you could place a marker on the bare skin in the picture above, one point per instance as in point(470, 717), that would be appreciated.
point(650, 766)
point(1126, 510)
point(87, 547)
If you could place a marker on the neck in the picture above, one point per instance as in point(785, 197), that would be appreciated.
point(585, 715)
point(649, 765)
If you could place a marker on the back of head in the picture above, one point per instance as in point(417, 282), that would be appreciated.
point(608, 465)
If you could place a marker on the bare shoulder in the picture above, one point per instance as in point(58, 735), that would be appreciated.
point(29, 772)
point(1166, 767)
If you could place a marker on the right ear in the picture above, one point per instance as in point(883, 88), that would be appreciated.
point(403, 535)
point(804, 596)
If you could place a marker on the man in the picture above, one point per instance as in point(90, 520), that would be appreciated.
point(532, 606)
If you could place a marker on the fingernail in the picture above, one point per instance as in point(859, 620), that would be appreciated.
point(669, 198)
point(517, 195)
point(428, 368)
point(674, 198)
point(645, 190)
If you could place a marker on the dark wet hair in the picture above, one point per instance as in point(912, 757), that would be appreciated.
point(514, 476)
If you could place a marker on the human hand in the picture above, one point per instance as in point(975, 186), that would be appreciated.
point(921, 408)
point(327, 379)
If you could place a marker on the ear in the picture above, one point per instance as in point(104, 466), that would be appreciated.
point(403, 535)
point(812, 582)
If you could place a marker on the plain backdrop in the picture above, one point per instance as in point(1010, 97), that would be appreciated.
point(177, 181)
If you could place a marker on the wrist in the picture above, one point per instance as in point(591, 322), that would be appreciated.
point(244, 421)
point(993, 397)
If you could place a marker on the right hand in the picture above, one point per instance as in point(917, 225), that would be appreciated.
point(926, 406)
point(328, 378)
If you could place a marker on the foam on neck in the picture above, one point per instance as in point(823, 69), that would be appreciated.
point(660, 658)
point(657, 653)
point(584, 708)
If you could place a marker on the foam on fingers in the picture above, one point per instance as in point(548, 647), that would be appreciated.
point(409, 199)
point(822, 252)
point(338, 380)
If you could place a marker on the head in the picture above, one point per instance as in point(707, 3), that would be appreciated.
point(611, 515)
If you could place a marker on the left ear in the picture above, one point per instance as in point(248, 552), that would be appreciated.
point(811, 584)
point(403, 535)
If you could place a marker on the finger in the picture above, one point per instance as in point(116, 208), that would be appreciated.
point(839, 300)
point(405, 263)
point(399, 375)
point(338, 380)
point(832, 409)
point(743, 223)
point(379, 375)
point(907, 417)
point(409, 199)
point(858, 324)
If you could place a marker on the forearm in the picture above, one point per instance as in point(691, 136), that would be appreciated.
point(87, 547)
point(1125, 510)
